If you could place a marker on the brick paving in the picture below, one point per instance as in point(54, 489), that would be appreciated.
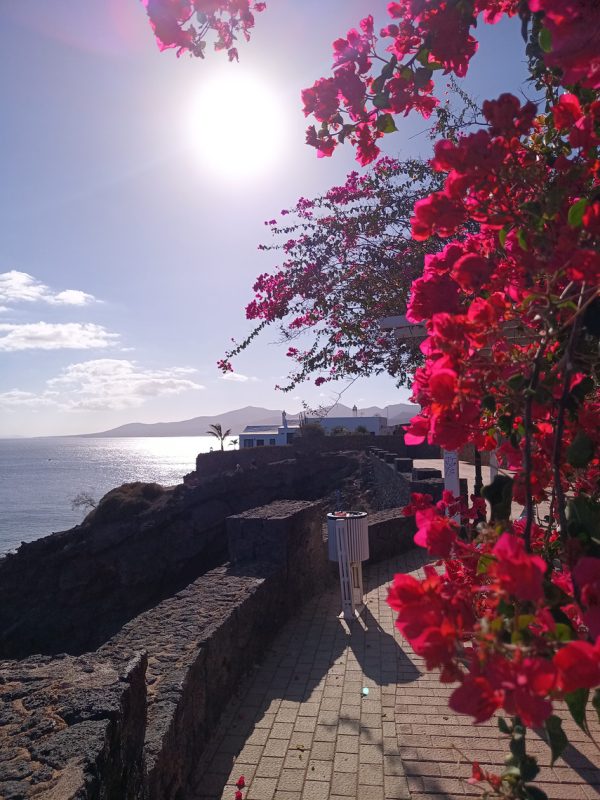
point(302, 727)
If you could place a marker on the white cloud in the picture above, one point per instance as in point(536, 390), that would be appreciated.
point(104, 384)
point(20, 287)
point(17, 399)
point(237, 377)
point(54, 336)
point(111, 384)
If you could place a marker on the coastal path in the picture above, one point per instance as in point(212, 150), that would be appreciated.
point(337, 712)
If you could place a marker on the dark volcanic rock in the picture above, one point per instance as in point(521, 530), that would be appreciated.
point(71, 591)
point(72, 728)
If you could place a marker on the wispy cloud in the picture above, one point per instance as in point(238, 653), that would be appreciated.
point(20, 287)
point(54, 336)
point(110, 384)
point(17, 399)
point(104, 384)
point(237, 377)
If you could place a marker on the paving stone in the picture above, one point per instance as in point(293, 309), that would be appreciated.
point(323, 751)
point(305, 731)
point(345, 762)
point(344, 783)
point(371, 774)
point(276, 747)
point(291, 780)
point(315, 790)
point(269, 767)
point(262, 789)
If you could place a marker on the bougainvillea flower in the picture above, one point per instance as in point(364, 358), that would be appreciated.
point(436, 532)
point(519, 573)
point(578, 666)
point(476, 697)
point(587, 577)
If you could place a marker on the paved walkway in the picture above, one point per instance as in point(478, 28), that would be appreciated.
point(303, 727)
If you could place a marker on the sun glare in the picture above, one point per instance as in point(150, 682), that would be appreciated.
point(236, 127)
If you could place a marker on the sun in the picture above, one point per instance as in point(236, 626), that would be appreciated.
point(236, 124)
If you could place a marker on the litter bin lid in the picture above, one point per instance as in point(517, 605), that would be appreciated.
point(346, 514)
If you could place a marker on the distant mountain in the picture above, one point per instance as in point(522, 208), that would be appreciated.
point(240, 417)
point(236, 420)
point(395, 414)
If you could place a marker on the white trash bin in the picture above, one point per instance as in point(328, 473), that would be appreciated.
point(348, 544)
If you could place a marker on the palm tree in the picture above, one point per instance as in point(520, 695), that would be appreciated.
point(217, 432)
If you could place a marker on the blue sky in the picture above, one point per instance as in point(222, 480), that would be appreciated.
point(127, 254)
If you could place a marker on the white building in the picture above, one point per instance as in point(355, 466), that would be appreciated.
point(269, 435)
point(372, 425)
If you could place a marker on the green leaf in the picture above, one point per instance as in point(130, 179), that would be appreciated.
point(378, 84)
point(517, 745)
point(386, 124)
point(388, 69)
point(524, 620)
point(529, 768)
point(484, 563)
point(502, 236)
point(535, 793)
point(577, 702)
point(596, 702)
point(381, 100)
point(504, 726)
point(557, 738)
point(581, 450)
point(489, 402)
point(576, 212)
point(423, 56)
point(583, 515)
point(422, 77)
point(522, 240)
point(545, 40)
point(516, 383)
point(563, 632)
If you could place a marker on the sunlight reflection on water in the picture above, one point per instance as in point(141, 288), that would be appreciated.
point(40, 477)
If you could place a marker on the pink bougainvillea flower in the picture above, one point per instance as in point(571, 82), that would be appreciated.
point(578, 666)
point(518, 572)
point(476, 697)
point(587, 577)
point(436, 532)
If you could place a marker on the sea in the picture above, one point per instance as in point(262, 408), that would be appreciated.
point(39, 478)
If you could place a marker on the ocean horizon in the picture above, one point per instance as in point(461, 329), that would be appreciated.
point(40, 477)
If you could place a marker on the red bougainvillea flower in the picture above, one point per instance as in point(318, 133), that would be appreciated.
point(567, 111)
point(578, 666)
point(436, 214)
point(574, 26)
point(518, 573)
point(436, 532)
point(587, 577)
point(476, 697)
point(241, 782)
point(526, 684)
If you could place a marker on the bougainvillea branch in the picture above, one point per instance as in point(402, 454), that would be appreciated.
point(348, 262)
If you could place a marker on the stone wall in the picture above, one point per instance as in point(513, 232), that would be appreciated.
point(71, 591)
point(208, 464)
point(395, 479)
point(89, 728)
point(390, 533)
point(72, 728)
